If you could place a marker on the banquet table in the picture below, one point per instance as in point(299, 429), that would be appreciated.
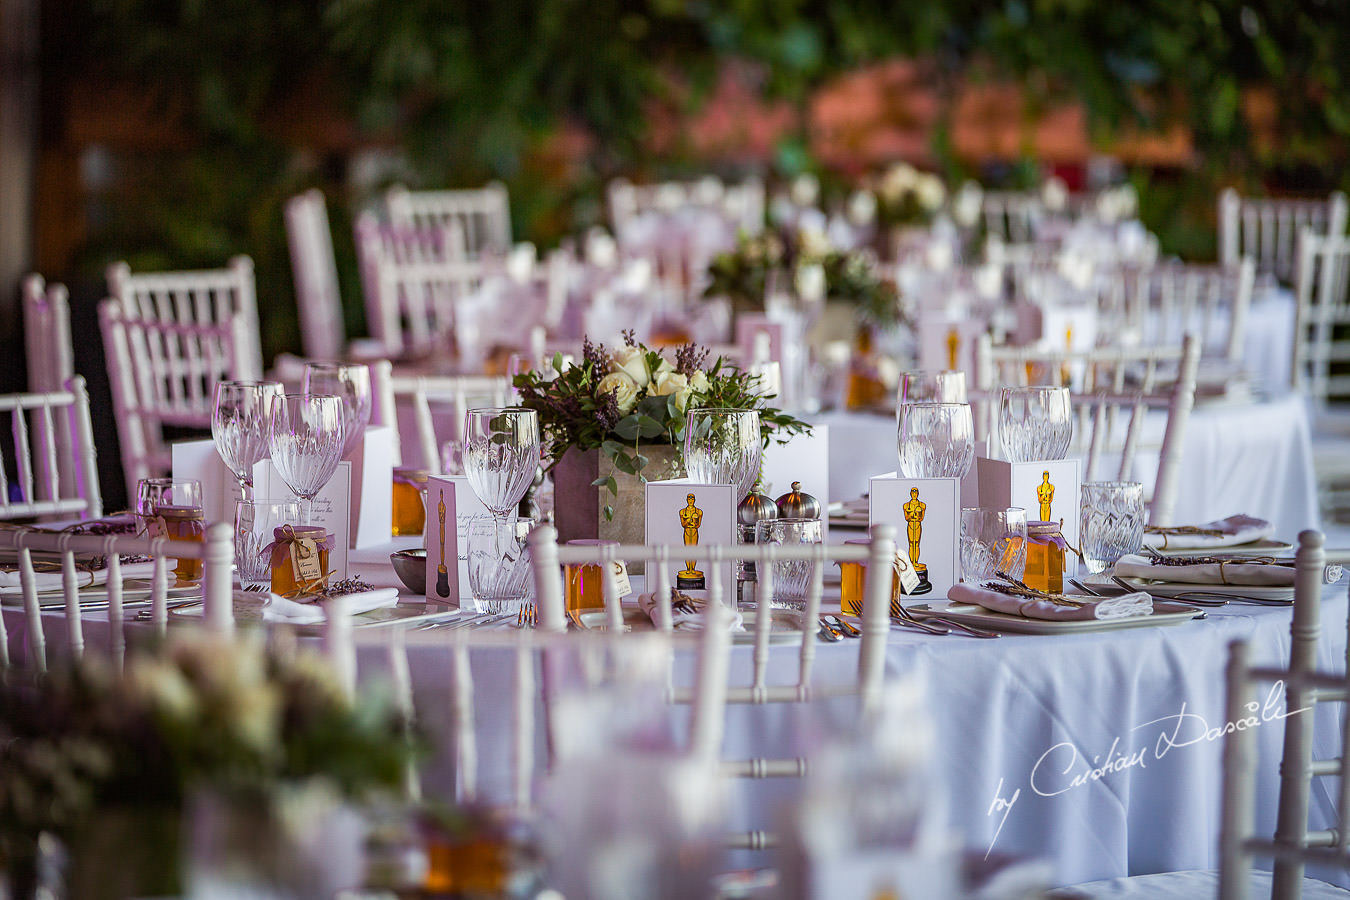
point(1087, 750)
point(1252, 458)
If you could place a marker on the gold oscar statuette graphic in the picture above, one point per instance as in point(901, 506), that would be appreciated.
point(914, 512)
point(1045, 492)
point(953, 347)
point(442, 573)
point(691, 517)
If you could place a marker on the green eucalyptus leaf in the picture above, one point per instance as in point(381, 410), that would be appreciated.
point(625, 464)
point(628, 428)
point(649, 427)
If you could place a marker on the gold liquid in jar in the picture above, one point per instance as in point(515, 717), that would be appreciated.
point(585, 583)
point(284, 581)
point(853, 581)
point(1045, 557)
point(409, 513)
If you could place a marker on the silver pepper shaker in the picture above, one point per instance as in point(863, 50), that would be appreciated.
point(798, 505)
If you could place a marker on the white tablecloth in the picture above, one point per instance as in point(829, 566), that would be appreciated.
point(1253, 458)
point(1070, 732)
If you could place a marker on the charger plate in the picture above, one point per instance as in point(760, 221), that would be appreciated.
point(1263, 547)
point(968, 614)
point(1172, 588)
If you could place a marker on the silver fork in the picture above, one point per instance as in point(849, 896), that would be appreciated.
point(525, 618)
point(902, 616)
point(1185, 600)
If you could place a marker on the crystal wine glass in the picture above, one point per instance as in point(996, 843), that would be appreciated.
point(722, 446)
point(936, 440)
point(1035, 423)
point(306, 442)
point(501, 452)
point(352, 384)
point(240, 424)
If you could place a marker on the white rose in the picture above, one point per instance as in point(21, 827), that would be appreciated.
point(930, 192)
point(1055, 194)
point(672, 383)
point(966, 207)
point(632, 361)
point(898, 181)
point(625, 390)
point(662, 368)
point(805, 189)
point(862, 208)
point(698, 382)
point(814, 244)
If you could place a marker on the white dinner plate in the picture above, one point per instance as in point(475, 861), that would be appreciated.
point(134, 590)
point(969, 614)
point(784, 626)
point(1172, 588)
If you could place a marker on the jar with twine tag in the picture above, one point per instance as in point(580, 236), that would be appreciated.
point(299, 555)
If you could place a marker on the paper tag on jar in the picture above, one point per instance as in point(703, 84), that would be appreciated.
point(305, 564)
point(619, 569)
point(909, 579)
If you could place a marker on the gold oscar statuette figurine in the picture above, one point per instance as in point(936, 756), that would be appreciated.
point(953, 347)
point(691, 517)
point(914, 512)
point(1045, 492)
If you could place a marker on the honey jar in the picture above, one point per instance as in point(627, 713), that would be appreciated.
point(1045, 557)
point(300, 559)
point(585, 582)
point(409, 514)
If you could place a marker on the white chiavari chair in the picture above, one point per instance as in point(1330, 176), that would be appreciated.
point(414, 396)
point(1160, 304)
point(415, 305)
point(48, 569)
point(481, 216)
point(1268, 228)
point(318, 299)
point(51, 454)
point(1321, 354)
point(1304, 778)
point(1013, 217)
point(742, 203)
point(46, 331)
point(165, 374)
point(202, 297)
point(759, 688)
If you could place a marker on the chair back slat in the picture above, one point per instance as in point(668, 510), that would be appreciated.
point(1268, 229)
point(481, 216)
point(314, 271)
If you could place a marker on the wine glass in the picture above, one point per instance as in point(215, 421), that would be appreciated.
point(936, 440)
point(1035, 423)
point(306, 442)
point(240, 424)
point(501, 452)
point(722, 446)
point(172, 508)
point(352, 384)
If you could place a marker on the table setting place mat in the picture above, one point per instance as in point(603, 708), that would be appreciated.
point(1052, 607)
point(1233, 531)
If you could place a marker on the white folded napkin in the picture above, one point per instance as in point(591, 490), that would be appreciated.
point(685, 621)
point(53, 581)
point(1237, 572)
point(277, 608)
point(1231, 531)
point(1122, 607)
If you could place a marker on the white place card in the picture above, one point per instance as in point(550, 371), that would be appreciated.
point(948, 343)
point(373, 483)
point(330, 508)
point(1047, 490)
point(926, 513)
point(749, 328)
point(804, 458)
point(448, 546)
point(199, 459)
point(680, 511)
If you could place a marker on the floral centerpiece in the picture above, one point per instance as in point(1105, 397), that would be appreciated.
point(743, 274)
point(624, 412)
point(908, 197)
point(106, 760)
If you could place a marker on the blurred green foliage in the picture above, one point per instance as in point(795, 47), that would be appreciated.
point(466, 91)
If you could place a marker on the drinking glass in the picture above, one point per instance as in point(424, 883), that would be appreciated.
point(306, 442)
point(1110, 522)
point(722, 446)
point(501, 453)
point(255, 522)
point(993, 539)
point(352, 384)
point(172, 508)
point(931, 386)
point(1035, 423)
point(240, 423)
point(791, 577)
point(936, 440)
point(499, 562)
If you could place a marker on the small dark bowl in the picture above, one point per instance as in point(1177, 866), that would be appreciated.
point(411, 567)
